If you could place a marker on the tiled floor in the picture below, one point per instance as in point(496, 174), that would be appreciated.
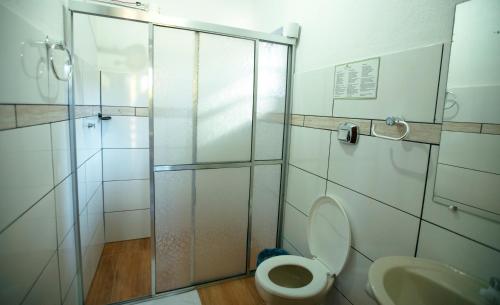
point(123, 273)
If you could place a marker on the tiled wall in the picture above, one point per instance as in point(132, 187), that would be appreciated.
point(88, 148)
point(37, 229)
point(385, 186)
point(125, 156)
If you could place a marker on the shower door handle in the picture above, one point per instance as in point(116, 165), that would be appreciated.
point(104, 118)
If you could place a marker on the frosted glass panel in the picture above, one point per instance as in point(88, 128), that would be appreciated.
point(174, 201)
point(212, 245)
point(265, 204)
point(270, 100)
point(203, 94)
point(225, 98)
point(174, 63)
point(221, 222)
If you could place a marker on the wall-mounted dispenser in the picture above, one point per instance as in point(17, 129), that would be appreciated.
point(348, 133)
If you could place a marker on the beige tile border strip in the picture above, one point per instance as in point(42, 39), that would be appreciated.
point(491, 128)
point(420, 132)
point(28, 115)
point(485, 128)
point(297, 120)
point(125, 111)
point(7, 116)
point(462, 127)
point(113, 110)
point(141, 111)
point(23, 115)
point(332, 123)
point(82, 111)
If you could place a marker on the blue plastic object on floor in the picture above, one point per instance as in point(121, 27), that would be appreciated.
point(268, 253)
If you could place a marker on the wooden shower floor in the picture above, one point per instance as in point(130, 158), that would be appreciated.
point(237, 292)
point(123, 273)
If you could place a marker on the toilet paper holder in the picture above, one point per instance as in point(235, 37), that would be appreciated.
point(348, 133)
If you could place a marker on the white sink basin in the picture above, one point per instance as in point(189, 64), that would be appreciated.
point(403, 280)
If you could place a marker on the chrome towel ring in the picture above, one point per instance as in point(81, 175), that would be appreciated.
point(69, 63)
point(390, 121)
point(51, 46)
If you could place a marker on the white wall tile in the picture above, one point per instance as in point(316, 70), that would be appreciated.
point(352, 280)
point(126, 195)
point(93, 174)
point(309, 149)
point(126, 132)
point(265, 209)
point(125, 89)
point(127, 225)
point(480, 228)
point(64, 208)
point(471, 187)
point(295, 229)
point(82, 187)
point(87, 81)
point(474, 104)
point(95, 212)
point(92, 256)
point(26, 76)
point(442, 245)
point(335, 297)
point(60, 150)
point(393, 172)
point(72, 297)
point(88, 139)
point(377, 230)
point(470, 150)
point(84, 231)
point(67, 261)
point(126, 164)
point(46, 289)
point(304, 188)
point(313, 92)
point(290, 248)
point(25, 248)
point(407, 87)
point(25, 169)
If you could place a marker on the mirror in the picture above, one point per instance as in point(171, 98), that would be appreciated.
point(468, 169)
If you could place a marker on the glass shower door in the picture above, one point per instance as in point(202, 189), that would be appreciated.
point(219, 112)
point(203, 103)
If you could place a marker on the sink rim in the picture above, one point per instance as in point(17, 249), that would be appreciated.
point(381, 266)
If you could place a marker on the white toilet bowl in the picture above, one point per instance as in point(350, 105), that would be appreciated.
point(291, 279)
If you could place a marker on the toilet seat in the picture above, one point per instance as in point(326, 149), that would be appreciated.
point(329, 241)
point(317, 284)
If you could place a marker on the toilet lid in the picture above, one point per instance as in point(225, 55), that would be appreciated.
point(329, 233)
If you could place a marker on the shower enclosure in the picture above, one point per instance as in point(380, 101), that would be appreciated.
point(219, 104)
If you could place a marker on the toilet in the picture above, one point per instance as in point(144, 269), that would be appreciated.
point(292, 279)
